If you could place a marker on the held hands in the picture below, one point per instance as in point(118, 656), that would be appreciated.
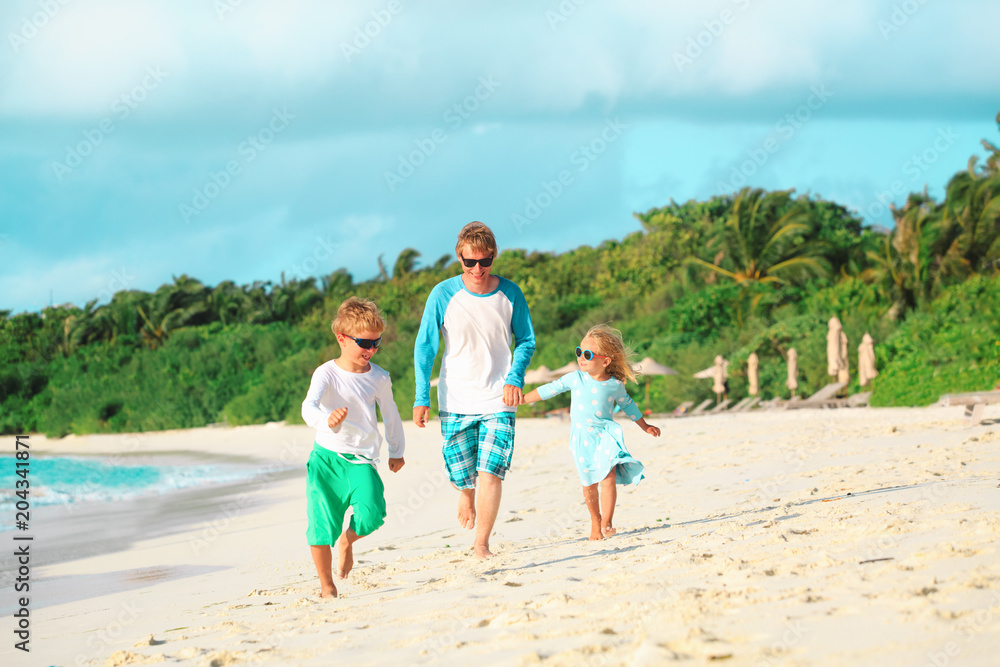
point(512, 395)
point(396, 464)
point(336, 417)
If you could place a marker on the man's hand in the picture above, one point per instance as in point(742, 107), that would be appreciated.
point(512, 395)
point(421, 414)
point(396, 464)
point(336, 417)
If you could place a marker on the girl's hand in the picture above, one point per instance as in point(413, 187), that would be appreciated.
point(652, 430)
point(336, 417)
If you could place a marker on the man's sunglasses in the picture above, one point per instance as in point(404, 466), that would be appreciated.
point(485, 261)
point(366, 343)
point(587, 354)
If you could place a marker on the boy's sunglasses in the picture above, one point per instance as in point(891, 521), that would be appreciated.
point(588, 355)
point(366, 343)
point(486, 261)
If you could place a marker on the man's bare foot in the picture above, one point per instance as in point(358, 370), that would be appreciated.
point(483, 551)
point(595, 531)
point(467, 509)
point(345, 557)
point(608, 531)
point(328, 592)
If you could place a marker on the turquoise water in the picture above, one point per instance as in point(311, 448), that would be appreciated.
point(63, 480)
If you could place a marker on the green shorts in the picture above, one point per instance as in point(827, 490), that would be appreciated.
point(332, 485)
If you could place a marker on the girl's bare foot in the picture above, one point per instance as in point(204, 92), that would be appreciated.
point(467, 509)
point(609, 531)
point(483, 551)
point(595, 531)
point(345, 558)
point(330, 592)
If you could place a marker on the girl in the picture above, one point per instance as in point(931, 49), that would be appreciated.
point(595, 438)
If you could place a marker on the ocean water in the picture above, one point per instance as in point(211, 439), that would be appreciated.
point(64, 480)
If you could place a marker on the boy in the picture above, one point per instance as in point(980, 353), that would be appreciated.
point(480, 315)
point(341, 471)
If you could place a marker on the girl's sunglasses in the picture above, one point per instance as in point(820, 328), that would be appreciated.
point(588, 355)
point(366, 343)
point(486, 261)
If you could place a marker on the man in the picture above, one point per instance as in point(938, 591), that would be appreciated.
point(480, 384)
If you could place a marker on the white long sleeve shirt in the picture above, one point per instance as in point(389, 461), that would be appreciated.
point(331, 388)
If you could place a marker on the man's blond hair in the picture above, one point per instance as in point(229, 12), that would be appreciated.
point(356, 315)
point(478, 237)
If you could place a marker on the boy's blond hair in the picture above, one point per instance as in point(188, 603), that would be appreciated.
point(609, 342)
point(355, 315)
point(478, 237)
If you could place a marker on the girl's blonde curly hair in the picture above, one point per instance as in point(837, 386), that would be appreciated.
point(609, 342)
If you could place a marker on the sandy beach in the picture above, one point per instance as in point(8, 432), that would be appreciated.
point(832, 537)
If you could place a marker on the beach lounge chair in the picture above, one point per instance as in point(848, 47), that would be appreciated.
point(859, 400)
point(701, 407)
point(682, 409)
point(751, 401)
point(975, 402)
point(721, 407)
point(739, 406)
point(824, 398)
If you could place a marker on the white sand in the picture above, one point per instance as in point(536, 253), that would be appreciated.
point(747, 541)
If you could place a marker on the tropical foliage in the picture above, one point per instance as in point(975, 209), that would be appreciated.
point(756, 271)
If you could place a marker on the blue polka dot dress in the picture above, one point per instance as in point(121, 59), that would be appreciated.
point(596, 440)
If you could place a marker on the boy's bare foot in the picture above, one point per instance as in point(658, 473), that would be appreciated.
point(345, 557)
point(330, 592)
point(595, 531)
point(608, 531)
point(483, 551)
point(467, 509)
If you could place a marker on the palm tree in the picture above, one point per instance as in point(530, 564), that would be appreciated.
point(763, 240)
point(405, 263)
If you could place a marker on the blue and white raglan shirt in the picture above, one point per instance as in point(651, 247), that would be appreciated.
point(478, 330)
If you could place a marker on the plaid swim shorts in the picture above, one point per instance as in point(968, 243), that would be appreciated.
point(474, 443)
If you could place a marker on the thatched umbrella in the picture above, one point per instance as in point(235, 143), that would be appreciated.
point(650, 366)
point(719, 377)
point(568, 368)
point(540, 375)
point(866, 360)
point(833, 362)
point(753, 377)
point(843, 375)
point(793, 371)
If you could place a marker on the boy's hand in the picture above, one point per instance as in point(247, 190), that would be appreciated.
point(336, 417)
point(396, 464)
point(421, 414)
point(652, 430)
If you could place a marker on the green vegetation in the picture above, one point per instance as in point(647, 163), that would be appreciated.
point(753, 272)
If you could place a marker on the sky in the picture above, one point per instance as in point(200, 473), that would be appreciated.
point(249, 139)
